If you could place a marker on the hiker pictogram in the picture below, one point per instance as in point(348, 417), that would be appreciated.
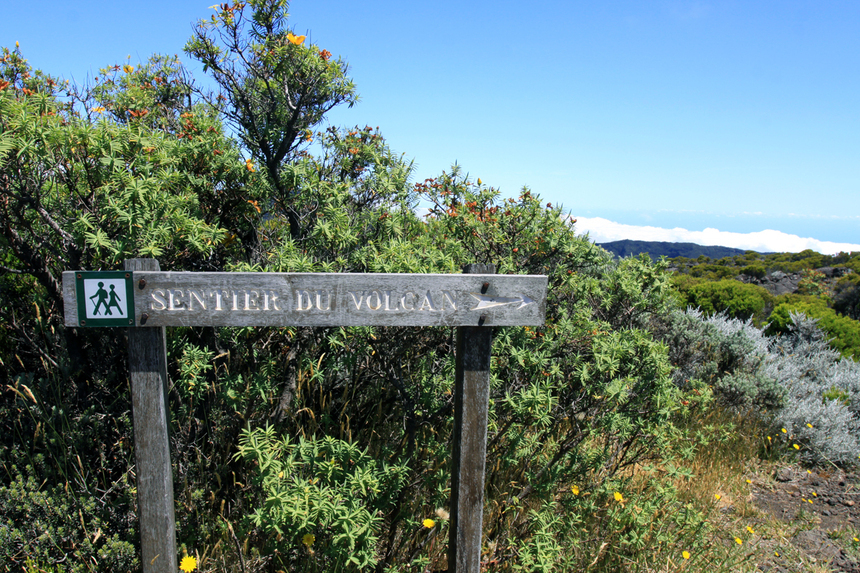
point(107, 299)
point(102, 297)
point(114, 300)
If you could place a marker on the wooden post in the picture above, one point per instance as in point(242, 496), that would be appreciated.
point(471, 401)
point(147, 364)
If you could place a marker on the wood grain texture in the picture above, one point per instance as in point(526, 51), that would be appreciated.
point(471, 403)
point(147, 361)
point(70, 299)
point(331, 299)
point(342, 299)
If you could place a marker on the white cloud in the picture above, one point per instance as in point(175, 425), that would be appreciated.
point(603, 231)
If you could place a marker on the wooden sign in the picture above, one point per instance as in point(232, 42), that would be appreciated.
point(326, 299)
point(143, 296)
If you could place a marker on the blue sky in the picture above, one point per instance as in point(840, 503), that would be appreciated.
point(736, 116)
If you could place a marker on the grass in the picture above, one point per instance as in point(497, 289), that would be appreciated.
point(719, 480)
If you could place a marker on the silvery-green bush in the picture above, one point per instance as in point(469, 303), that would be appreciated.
point(795, 381)
point(726, 353)
point(822, 408)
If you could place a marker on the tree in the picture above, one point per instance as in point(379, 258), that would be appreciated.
point(274, 89)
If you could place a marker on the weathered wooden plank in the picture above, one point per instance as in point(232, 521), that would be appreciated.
point(335, 299)
point(471, 403)
point(147, 362)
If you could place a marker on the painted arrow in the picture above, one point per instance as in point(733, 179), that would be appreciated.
point(485, 301)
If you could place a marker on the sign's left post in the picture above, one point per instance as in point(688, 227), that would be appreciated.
point(106, 298)
point(147, 364)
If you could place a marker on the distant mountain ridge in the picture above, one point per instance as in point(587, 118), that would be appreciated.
point(656, 249)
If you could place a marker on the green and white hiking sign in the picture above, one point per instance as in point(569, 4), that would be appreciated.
point(104, 298)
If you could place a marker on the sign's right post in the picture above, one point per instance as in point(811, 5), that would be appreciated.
point(471, 402)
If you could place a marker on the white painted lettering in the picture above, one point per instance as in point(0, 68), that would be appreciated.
point(378, 303)
point(388, 300)
point(319, 294)
point(357, 301)
point(157, 299)
point(303, 300)
point(274, 298)
point(450, 298)
point(252, 300)
point(427, 303)
point(217, 294)
point(196, 294)
point(174, 303)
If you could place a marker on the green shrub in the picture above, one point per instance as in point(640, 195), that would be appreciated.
point(56, 530)
point(755, 270)
point(846, 296)
point(322, 499)
point(843, 331)
point(734, 298)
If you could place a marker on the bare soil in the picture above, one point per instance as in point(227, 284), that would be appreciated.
point(821, 511)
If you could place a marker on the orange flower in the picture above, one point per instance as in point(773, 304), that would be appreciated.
point(249, 165)
point(297, 40)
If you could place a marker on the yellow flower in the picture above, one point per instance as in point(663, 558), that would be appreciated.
point(685, 554)
point(796, 447)
point(809, 425)
point(128, 69)
point(857, 539)
point(717, 496)
point(784, 431)
point(749, 481)
point(308, 539)
point(619, 497)
point(297, 40)
point(98, 109)
point(750, 529)
point(429, 523)
point(574, 489)
point(739, 541)
point(188, 563)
